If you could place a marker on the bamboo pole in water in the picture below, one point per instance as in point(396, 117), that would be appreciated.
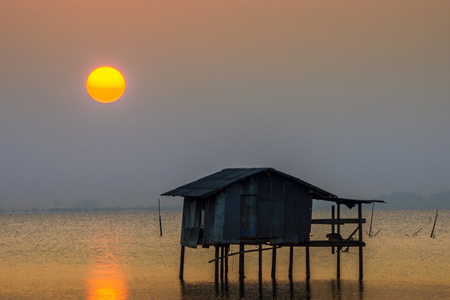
point(434, 224)
point(159, 212)
point(338, 249)
point(360, 241)
point(371, 219)
point(332, 225)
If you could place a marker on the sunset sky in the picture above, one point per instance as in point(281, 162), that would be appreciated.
point(351, 96)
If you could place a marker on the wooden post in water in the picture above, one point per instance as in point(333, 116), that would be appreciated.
point(371, 220)
point(274, 261)
point(332, 225)
point(227, 249)
point(308, 270)
point(360, 241)
point(222, 253)
point(338, 250)
point(260, 261)
point(241, 261)
point(159, 212)
point(291, 260)
point(216, 263)
point(181, 262)
point(434, 224)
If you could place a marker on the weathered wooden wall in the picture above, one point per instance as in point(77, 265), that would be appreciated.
point(262, 208)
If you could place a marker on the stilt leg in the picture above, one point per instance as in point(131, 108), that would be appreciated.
point(308, 270)
point(227, 249)
point(360, 262)
point(274, 261)
point(181, 262)
point(260, 261)
point(216, 263)
point(241, 261)
point(222, 251)
point(332, 225)
point(338, 263)
point(360, 241)
point(291, 260)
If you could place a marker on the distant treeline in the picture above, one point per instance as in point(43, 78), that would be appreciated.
point(95, 209)
point(402, 200)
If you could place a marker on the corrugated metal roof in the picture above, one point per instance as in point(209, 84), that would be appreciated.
point(215, 182)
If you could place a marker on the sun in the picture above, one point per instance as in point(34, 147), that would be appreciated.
point(105, 84)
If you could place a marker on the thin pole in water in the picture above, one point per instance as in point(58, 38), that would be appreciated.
point(159, 212)
point(434, 224)
point(371, 219)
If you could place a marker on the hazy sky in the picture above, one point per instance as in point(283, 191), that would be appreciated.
point(352, 96)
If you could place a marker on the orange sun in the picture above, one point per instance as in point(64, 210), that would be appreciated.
point(105, 84)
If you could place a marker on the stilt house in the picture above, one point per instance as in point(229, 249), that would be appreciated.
point(247, 206)
point(260, 206)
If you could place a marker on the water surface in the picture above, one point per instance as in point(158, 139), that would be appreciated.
point(122, 256)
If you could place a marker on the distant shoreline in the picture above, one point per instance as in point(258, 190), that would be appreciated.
point(101, 209)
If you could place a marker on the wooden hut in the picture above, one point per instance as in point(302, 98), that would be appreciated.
point(252, 206)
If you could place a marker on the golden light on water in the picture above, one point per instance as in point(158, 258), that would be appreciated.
point(105, 84)
point(106, 281)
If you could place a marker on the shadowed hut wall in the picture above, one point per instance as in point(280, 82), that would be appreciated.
point(219, 221)
point(263, 207)
point(210, 210)
point(266, 207)
point(277, 208)
point(291, 211)
point(190, 230)
point(304, 213)
point(231, 231)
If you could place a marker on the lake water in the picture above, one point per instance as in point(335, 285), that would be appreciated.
point(122, 256)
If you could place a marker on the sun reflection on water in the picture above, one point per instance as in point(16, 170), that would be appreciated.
point(106, 281)
point(107, 277)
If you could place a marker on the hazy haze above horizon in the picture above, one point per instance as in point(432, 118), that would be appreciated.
point(351, 96)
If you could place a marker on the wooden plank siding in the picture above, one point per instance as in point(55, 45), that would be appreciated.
point(232, 212)
point(304, 213)
point(263, 207)
point(191, 222)
point(277, 203)
point(291, 212)
point(219, 222)
point(210, 217)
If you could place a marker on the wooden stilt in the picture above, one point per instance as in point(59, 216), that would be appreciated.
point(360, 241)
point(260, 261)
point(181, 262)
point(338, 217)
point(338, 256)
point(227, 249)
point(216, 263)
point(332, 225)
point(291, 260)
point(241, 262)
point(308, 270)
point(338, 263)
point(222, 253)
point(274, 261)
